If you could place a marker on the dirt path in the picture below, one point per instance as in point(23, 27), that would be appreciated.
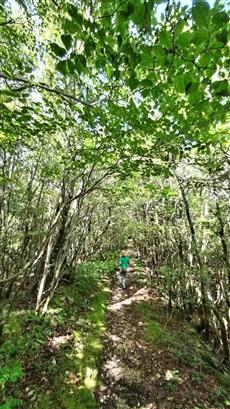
point(139, 373)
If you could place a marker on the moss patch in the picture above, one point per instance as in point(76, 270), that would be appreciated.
point(154, 332)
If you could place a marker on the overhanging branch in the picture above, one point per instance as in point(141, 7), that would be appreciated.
point(41, 85)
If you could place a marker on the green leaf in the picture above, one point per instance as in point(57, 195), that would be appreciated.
point(185, 83)
point(133, 82)
point(200, 12)
point(147, 83)
point(90, 46)
point(188, 78)
point(158, 51)
point(57, 50)
point(119, 40)
point(220, 18)
point(117, 74)
point(165, 38)
point(127, 11)
point(204, 60)
point(74, 13)
point(179, 83)
point(183, 39)
point(82, 60)
point(67, 41)
point(222, 36)
point(142, 15)
point(191, 87)
point(100, 61)
point(146, 92)
point(110, 40)
point(69, 26)
point(195, 96)
point(80, 63)
point(62, 67)
point(109, 70)
point(71, 66)
point(180, 25)
point(200, 36)
point(146, 56)
point(221, 88)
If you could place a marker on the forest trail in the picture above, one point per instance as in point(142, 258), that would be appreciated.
point(148, 363)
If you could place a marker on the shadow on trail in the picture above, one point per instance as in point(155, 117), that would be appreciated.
point(141, 367)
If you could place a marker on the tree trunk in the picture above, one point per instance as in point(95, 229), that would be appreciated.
point(45, 274)
point(204, 299)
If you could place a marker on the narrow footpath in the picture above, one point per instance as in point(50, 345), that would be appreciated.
point(150, 358)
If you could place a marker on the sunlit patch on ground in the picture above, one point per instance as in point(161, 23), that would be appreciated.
point(113, 368)
point(72, 378)
point(141, 368)
point(114, 338)
point(140, 295)
point(57, 342)
point(90, 380)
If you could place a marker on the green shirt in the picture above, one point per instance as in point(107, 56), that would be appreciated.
point(123, 263)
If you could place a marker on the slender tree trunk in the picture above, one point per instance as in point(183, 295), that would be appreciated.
point(53, 286)
point(223, 242)
point(204, 298)
point(45, 274)
point(224, 335)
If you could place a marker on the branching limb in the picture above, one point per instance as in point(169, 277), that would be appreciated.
point(41, 85)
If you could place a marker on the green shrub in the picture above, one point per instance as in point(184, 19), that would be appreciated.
point(79, 308)
point(11, 403)
point(10, 374)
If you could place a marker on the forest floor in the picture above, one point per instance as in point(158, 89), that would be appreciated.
point(102, 347)
point(153, 359)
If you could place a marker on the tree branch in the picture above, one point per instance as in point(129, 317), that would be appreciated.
point(41, 85)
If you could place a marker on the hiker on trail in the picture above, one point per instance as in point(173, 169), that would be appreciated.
point(123, 264)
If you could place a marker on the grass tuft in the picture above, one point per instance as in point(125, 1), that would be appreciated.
point(153, 330)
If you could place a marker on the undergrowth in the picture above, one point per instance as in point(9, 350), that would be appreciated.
point(186, 348)
point(52, 361)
